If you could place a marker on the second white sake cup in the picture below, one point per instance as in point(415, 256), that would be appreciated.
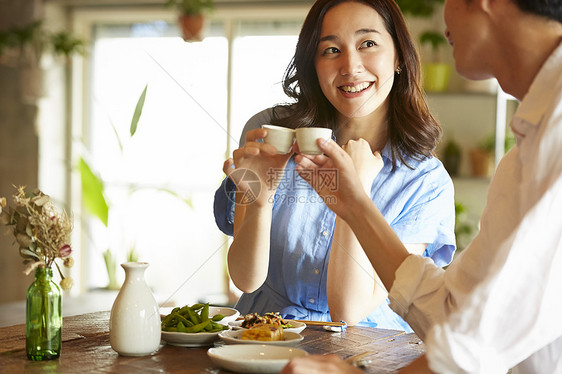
point(281, 138)
point(307, 137)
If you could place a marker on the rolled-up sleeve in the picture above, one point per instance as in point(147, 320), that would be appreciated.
point(223, 206)
point(418, 294)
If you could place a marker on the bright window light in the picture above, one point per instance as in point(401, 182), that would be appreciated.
point(160, 182)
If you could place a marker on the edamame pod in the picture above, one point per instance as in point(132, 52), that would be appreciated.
point(183, 320)
point(198, 327)
point(205, 313)
point(183, 310)
point(181, 327)
point(193, 316)
point(218, 326)
point(196, 307)
point(168, 319)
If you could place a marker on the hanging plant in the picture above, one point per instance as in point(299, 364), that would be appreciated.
point(191, 16)
point(65, 44)
point(24, 46)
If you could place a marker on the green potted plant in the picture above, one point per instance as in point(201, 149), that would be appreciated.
point(482, 155)
point(191, 16)
point(65, 44)
point(98, 206)
point(419, 8)
point(95, 202)
point(436, 74)
point(452, 157)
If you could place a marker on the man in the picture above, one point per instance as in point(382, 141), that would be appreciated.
point(498, 304)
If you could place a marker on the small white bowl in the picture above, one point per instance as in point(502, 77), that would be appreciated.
point(253, 358)
point(230, 314)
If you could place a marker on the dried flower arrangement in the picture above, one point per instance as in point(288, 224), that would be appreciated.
point(41, 231)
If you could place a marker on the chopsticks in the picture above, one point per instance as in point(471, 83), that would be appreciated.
point(311, 323)
point(325, 324)
point(319, 323)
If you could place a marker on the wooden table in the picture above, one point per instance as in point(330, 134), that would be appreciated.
point(86, 349)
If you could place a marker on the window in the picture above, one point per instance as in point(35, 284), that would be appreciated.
point(160, 182)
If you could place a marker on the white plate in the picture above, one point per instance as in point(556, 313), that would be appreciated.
point(253, 358)
point(230, 314)
point(185, 339)
point(235, 337)
point(297, 326)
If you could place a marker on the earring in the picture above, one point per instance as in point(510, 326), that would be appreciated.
point(398, 70)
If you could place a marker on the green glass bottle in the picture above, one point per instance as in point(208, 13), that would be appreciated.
point(43, 340)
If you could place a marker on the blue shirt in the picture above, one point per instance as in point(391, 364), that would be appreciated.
point(418, 203)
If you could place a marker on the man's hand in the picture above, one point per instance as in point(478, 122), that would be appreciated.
point(347, 188)
point(321, 364)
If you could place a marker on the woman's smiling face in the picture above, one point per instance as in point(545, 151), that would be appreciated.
point(355, 59)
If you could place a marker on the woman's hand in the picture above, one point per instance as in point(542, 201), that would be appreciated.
point(325, 364)
point(257, 161)
point(334, 176)
point(367, 164)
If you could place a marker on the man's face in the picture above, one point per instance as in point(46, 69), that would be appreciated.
point(469, 33)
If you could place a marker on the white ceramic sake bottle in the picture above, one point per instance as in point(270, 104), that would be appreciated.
point(134, 323)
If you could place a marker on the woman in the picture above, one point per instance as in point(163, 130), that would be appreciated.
point(356, 71)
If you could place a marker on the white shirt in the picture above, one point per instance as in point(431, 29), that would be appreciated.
point(499, 304)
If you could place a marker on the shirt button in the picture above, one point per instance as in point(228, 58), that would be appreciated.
point(316, 271)
point(312, 301)
point(325, 232)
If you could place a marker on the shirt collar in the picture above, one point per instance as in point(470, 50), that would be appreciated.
point(534, 104)
point(386, 152)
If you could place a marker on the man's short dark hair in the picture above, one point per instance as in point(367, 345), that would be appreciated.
point(551, 9)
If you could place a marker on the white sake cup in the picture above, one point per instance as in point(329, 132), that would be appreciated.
point(307, 137)
point(281, 138)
